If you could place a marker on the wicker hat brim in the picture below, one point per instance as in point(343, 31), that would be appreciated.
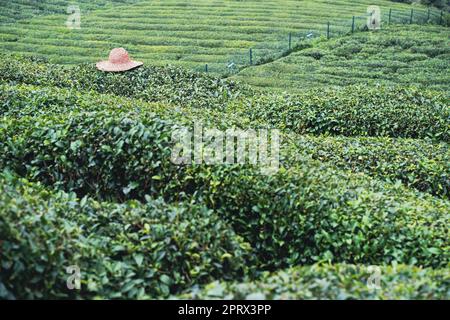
point(117, 67)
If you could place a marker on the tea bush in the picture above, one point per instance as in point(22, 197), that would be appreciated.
point(167, 84)
point(395, 55)
point(334, 282)
point(351, 111)
point(129, 250)
point(194, 224)
point(21, 100)
point(355, 111)
point(306, 213)
point(93, 153)
point(312, 213)
point(15, 10)
point(419, 164)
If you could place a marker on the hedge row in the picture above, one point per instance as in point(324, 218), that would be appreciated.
point(312, 213)
point(306, 213)
point(418, 164)
point(355, 111)
point(94, 153)
point(336, 282)
point(151, 83)
point(350, 111)
point(21, 100)
point(128, 250)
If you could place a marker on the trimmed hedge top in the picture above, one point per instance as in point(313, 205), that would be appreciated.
point(417, 163)
point(336, 282)
point(351, 111)
point(168, 84)
point(128, 250)
point(355, 111)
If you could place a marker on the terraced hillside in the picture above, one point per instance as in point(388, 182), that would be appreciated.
point(188, 33)
point(400, 54)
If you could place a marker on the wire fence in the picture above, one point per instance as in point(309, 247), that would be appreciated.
point(283, 44)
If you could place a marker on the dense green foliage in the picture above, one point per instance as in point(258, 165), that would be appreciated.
point(334, 282)
point(351, 111)
point(306, 213)
point(418, 164)
point(169, 84)
point(149, 250)
point(444, 4)
point(128, 250)
point(356, 111)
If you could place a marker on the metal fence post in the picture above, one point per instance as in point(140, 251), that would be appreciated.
point(411, 17)
point(441, 18)
point(206, 68)
point(353, 24)
point(251, 56)
point(290, 41)
point(390, 15)
point(328, 30)
point(428, 16)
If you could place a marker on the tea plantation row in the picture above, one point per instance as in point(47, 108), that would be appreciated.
point(338, 281)
point(153, 250)
point(352, 111)
point(129, 250)
point(15, 10)
point(165, 84)
point(87, 180)
point(417, 163)
point(355, 111)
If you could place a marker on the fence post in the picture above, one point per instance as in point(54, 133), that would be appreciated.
point(411, 17)
point(251, 56)
point(441, 18)
point(390, 15)
point(353, 24)
point(290, 41)
point(206, 68)
point(328, 30)
point(428, 16)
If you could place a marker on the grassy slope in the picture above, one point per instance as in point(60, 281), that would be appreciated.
point(15, 10)
point(407, 55)
point(186, 33)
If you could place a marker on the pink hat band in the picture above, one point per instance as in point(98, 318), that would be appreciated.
point(119, 60)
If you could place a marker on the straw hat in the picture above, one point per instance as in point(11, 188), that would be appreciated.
point(118, 61)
